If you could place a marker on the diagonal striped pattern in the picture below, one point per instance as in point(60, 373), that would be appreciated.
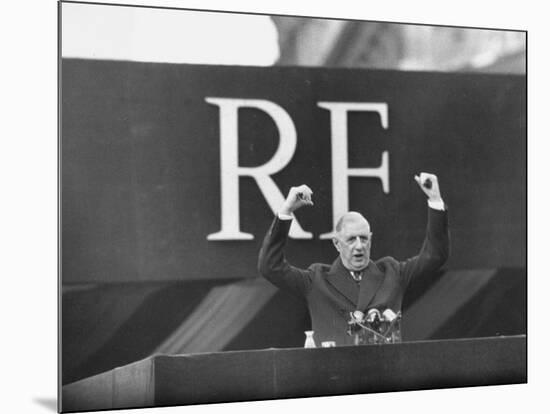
point(106, 326)
point(222, 314)
point(441, 301)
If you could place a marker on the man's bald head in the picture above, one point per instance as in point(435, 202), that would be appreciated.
point(351, 217)
point(352, 239)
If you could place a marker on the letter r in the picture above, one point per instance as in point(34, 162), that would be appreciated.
point(230, 171)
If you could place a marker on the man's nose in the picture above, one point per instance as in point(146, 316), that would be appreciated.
point(357, 243)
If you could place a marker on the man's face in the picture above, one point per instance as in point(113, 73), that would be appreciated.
point(353, 242)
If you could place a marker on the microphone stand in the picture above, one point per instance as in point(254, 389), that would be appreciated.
point(382, 337)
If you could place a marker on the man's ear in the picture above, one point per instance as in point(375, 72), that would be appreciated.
point(336, 243)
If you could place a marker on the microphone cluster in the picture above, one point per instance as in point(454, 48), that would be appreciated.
point(375, 326)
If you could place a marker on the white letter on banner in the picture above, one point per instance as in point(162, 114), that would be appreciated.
point(230, 171)
point(340, 170)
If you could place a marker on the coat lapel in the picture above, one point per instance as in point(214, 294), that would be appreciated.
point(341, 284)
point(372, 279)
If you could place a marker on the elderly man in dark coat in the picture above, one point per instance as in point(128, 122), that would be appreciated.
point(353, 284)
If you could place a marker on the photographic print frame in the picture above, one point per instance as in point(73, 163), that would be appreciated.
point(328, 202)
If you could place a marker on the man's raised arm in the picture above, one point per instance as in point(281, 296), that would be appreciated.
point(271, 262)
point(435, 249)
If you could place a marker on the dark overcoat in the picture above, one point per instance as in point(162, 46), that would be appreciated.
point(331, 293)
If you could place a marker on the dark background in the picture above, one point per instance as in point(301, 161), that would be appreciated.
point(140, 165)
point(141, 192)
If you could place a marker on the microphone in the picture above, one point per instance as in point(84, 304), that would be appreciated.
point(372, 315)
point(389, 315)
point(358, 316)
point(374, 318)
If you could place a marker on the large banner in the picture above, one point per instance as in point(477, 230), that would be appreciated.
point(173, 172)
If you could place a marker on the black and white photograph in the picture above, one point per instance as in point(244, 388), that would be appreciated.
point(324, 207)
point(259, 207)
point(327, 207)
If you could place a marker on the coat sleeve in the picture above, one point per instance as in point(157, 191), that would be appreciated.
point(434, 251)
point(273, 265)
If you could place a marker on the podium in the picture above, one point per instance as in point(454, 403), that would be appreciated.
point(164, 380)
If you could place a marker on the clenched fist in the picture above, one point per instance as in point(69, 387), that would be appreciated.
point(297, 197)
point(429, 184)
